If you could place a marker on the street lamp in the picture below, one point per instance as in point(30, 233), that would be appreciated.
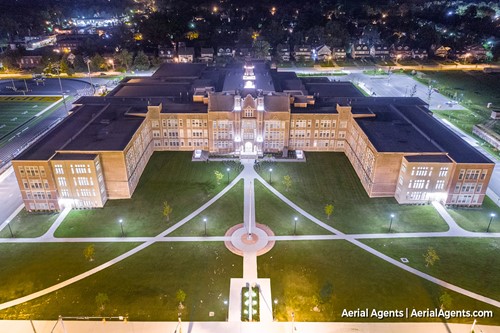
point(492, 215)
point(274, 308)
point(225, 306)
point(60, 86)
point(87, 60)
point(121, 226)
point(205, 222)
point(270, 177)
point(228, 175)
point(295, 227)
point(10, 229)
point(390, 225)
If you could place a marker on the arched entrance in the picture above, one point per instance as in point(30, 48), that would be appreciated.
point(248, 147)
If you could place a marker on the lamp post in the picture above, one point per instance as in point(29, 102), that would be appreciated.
point(205, 222)
point(295, 227)
point(121, 226)
point(10, 229)
point(492, 215)
point(90, 77)
point(60, 86)
point(390, 225)
point(228, 175)
point(225, 307)
point(270, 177)
point(274, 308)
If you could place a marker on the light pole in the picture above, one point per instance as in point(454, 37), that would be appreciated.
point(225, 307)
point(60, 86)
point(121, 226)
point(274, 308)
point(10, 229)
point(295, 227)
point(390, 225)
point(228, 175)
point(90, 77)
point(492, 215)
point(205, 222)
point(270, 177)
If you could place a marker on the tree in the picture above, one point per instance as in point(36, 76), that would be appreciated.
point(287, 182)
point(63, 65)
point(328, 210)
point(445, 300)
point(218, 176)
point(430, 257)
point(89, 252)
point(124, 57)
point(167, 210)
point(101, 300)
point(98, 63)
point(260, 48)
point(141, 61)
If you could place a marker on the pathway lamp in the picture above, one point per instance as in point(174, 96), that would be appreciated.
point(121, 226)
point(390, 225)
point(492, 215)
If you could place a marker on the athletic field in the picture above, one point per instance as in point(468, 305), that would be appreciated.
point(16, 111)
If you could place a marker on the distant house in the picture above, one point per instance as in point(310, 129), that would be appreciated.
point(70, 44)
point(186, 54)
point(225, 51)
point(380, 51)
point(442, 51)
point(339, 53)
point(27, 62)
point(283, 52)
point(360, 51)
point(166, 54)
point(419, 54)
point(302, 52)
point(401, 52)
point(243, 50)
point(322, 53)
point(207, 54)
point(477, 52)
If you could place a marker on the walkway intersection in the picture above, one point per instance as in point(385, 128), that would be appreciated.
point(250, 240)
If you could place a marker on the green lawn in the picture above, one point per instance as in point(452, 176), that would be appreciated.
point(144, 286)
point(329, 178)
point(375, 72)
point(221, 215)
point(169, 176)
point(317, 280)
point(27, 268)
point(27, 225)
point(470, 263)
point(276, 214)
point(477, 219)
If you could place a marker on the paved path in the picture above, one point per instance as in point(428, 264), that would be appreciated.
point(82, 326)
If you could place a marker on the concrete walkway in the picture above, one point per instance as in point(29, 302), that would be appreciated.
point(82, 326)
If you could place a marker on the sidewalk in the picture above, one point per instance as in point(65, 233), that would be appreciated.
point(12, 326)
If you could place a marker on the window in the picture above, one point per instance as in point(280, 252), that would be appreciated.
point(472, 174)
point(483, 174)
point(300, 123)
point(461, 175)
point(468, 187)
point(341, 135)
point(479, 187)
point(326, 123)
point(419, 183)
point(457, 187)
point(439, 184)
point(42, 171)
point(422, 171)
point(82, 181)
point(248, 113)
point(443, 171)
point(61, 181)
point(400, 180)
point(155, 124)
point(403, 168)
point(21, 171)
point(343, 124)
